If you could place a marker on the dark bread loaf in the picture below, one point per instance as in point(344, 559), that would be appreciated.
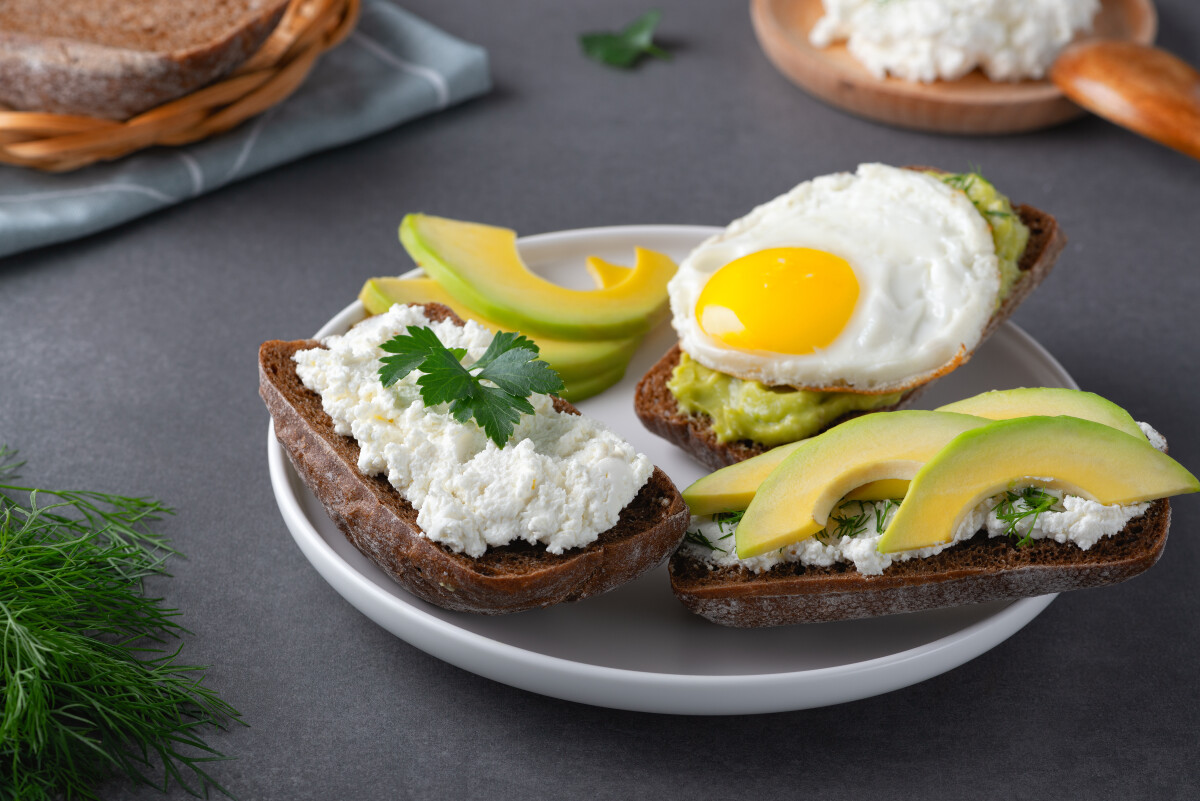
point(977, 570)
point(382, 525)
point(116, 58)
point(659, 413)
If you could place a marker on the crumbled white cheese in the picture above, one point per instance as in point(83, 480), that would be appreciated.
point(1156, 439)
point(924, 40)
point(561, 480)
point(1072, 519)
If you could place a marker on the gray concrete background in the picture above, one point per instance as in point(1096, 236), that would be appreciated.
point(129, 365)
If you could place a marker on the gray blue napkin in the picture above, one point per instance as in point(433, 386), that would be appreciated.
point(392, 68)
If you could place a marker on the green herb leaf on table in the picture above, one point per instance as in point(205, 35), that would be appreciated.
point(89, 694)
point(510, 364)
point(625, 49)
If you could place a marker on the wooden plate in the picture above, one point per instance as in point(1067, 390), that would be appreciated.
point(971, 105)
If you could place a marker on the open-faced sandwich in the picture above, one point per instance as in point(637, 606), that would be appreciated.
point(847, 295)
point(436, 448)
point(1005, 495)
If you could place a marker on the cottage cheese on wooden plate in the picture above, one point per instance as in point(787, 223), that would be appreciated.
point(927, 40)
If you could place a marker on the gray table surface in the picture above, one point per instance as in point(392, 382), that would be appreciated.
point(129, 364)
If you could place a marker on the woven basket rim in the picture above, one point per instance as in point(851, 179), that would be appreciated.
point(61, 142)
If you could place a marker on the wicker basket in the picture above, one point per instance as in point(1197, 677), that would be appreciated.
point(61, 142)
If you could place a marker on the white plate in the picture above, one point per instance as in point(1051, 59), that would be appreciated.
point(637, 647)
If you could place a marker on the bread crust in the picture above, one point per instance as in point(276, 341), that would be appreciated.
point(377, 520)
point(978, 570)
point(657, 409)
point(115, 74)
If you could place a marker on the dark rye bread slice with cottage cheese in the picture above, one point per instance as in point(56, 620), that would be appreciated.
point(976, 570)
point(383, 526)
point(660, 414)
point(116, 58)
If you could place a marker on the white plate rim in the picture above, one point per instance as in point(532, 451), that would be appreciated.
point(695, 694)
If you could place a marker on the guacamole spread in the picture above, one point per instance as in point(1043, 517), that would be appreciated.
point(1008, 232)
point(749, 410)
point(742, 409)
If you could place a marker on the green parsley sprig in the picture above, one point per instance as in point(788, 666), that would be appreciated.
point(626, 47)
point(88, 692)
point(510, 365)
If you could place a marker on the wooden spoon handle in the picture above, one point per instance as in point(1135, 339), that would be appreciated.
point(1136, 86)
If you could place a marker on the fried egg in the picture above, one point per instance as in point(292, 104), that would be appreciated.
point(871, 282)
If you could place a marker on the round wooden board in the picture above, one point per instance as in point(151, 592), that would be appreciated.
point(971, 105)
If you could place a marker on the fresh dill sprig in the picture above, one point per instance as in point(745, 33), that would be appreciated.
point(9, 465)
point(1017, 506)
point(871, 514)
point(696, 537)
point(90, 691)
point(727, 522)
point(848, 525)
point(962, 181)
point(881, 514)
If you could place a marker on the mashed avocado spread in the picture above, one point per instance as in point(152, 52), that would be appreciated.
point(1008, 232)
point(742, 409)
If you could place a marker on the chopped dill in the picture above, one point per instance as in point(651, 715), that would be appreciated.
point(871, 514)
point(1018, 506)
point(847, 525)
point(727, 523)
point(962, 181)
point(881, 514)
point(695, 537)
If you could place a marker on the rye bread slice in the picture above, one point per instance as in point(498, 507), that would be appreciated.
point(116, 58)
point(977, 570)
point(656, 407)
point(383, 526)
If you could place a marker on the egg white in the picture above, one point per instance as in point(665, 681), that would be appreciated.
point(926, 265)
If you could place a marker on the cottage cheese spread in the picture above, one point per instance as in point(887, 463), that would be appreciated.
point(924, 40)
point(1072, 519)
point(561, 480)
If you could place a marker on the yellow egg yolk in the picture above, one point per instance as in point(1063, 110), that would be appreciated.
point(783, 300)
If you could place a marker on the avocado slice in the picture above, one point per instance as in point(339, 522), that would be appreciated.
point(578, 363)
point(1080, 457)
point(605, 273)
point(480, 267)
point(795, 500)
point(885, 489)
point(583, 387)
point(731, 488)
point(1006, 404)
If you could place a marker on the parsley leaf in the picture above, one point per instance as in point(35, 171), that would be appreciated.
point(510, 364)
point(625, 48)
point(410, 352)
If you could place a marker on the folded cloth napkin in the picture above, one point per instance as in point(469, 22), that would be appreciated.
point(392, 68)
